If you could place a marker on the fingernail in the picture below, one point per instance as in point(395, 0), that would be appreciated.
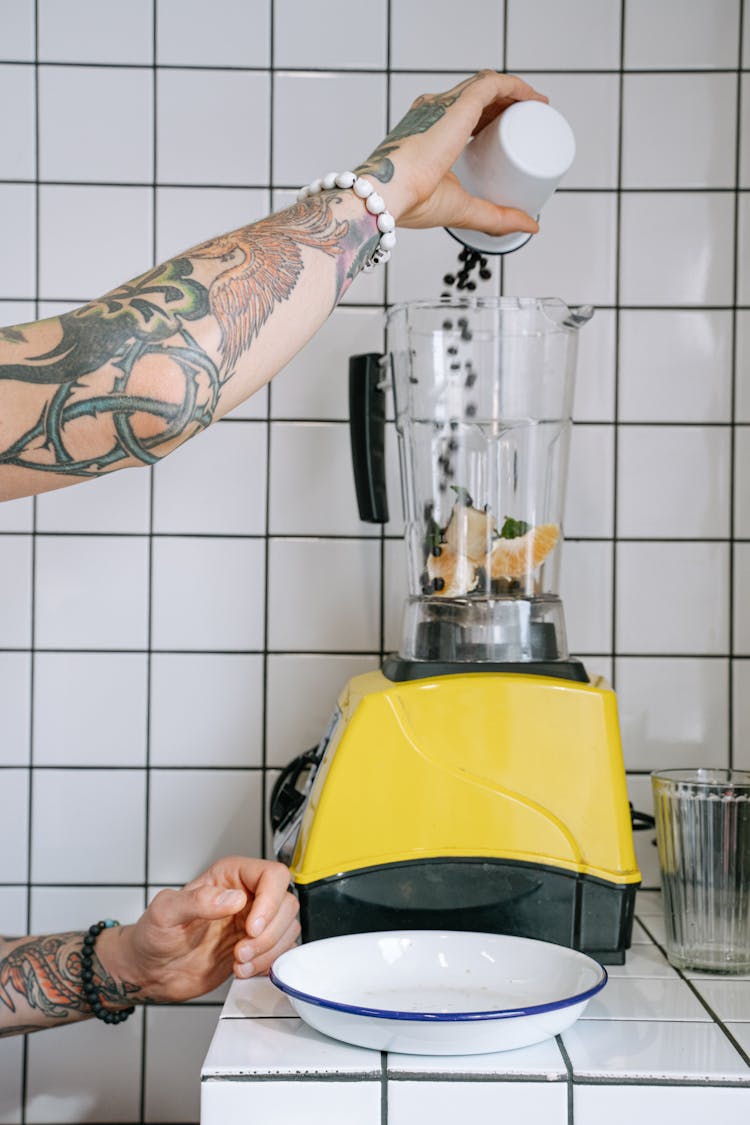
point(258, 926)
point(245, 953)
point(245, 970)
point(228, 898)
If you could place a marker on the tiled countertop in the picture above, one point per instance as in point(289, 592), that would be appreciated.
point(654, 1044)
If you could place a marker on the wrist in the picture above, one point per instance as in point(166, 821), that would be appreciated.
point(116, 955)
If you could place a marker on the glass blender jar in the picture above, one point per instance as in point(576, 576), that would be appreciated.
point(483, 392)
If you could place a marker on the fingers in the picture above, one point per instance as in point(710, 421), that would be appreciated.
point(480, 214)
point(178, 908)
point(256, 955)
point(270, 890)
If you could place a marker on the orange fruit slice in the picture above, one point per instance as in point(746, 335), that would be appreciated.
point(513, 558)
point(469, 532)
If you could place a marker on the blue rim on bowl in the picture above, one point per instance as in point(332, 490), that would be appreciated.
point(436, 1017)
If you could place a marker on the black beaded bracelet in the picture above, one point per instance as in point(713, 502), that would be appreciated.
point(90, 991)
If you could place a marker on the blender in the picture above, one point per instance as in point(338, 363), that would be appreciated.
point(476, 780)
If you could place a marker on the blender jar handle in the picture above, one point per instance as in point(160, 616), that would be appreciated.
point(367, 432)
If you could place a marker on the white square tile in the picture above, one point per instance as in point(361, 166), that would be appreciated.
point(573, 256)
point(657, 607)
point(395, 592)
point(540, 1059)
point(643, 960)
point(15, 698)
point(562, 45)
point(743, 249)
point(229, 33)
point(673, 713)
point(84, 146)
point(311, 482)
point(18, 240)
point(112, 34)
point(15, 591)
point(309, 131)
point(74, 726)
point(315, 1103)
point(316, 382)
point(206, 710)
point(424, 258)
point(84, 1075)
point(659, 111)
point(248, 999)
point(324, 595)
point(17, 313)
point(176, 1044)
point(442, 1103)
point(690, 1105)
point(317, 682)
point(729, 999)
point(214, 484)
point(12, 914)
point(649, 904)
point(186, 216)
point(284, 1046)
point(648, 1049)
point(742, 599)
point(14, 817)
point(655, 925)
point(741, 724)
point(67, 806)
point(91, 592)
point(17, 121)
point(224, 106)
point(675, 366)
point(586, 591)
point(116, 502)
point(17, 40)
point(660, 265)
point(656, 998)
point(589, 508)
point(208, 593)
point(591, 104)
point(324, 35)
point(673, 481)
point(60, 909)
point(11, 1079)
point(469, 43)
point(742, 482)
point(254, 408)
point(706, 34)
point(198, 816)
point(91, 272)
point(595, 376)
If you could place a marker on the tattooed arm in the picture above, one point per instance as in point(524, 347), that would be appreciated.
point(126, 378)
point(238, 915)
point(40, 983)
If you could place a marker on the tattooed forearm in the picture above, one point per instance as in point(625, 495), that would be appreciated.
point(426, 111)
point(40, 982)
point(130, 375)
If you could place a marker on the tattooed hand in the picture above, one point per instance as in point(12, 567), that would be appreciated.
point(238, 915)
point(413, 162)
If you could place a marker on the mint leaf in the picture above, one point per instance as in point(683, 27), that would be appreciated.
point(514, 529)
point(462, 495)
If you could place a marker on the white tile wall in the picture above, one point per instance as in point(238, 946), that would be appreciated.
point(147, 656)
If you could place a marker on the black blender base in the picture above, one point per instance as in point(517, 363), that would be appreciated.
point(490, 896)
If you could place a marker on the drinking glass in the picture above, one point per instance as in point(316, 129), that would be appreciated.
point(703, 836)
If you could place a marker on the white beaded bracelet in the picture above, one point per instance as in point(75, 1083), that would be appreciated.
point(372, 201)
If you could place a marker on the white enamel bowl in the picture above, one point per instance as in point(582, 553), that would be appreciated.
point(437, 992)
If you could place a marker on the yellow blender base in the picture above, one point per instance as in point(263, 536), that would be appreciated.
point(480, 801)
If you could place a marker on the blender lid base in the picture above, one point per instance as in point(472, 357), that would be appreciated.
point(398, 669)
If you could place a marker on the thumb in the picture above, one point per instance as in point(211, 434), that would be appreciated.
point(480, 214)
point(178, 908)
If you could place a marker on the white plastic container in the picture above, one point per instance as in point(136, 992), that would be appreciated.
point(517, 161)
